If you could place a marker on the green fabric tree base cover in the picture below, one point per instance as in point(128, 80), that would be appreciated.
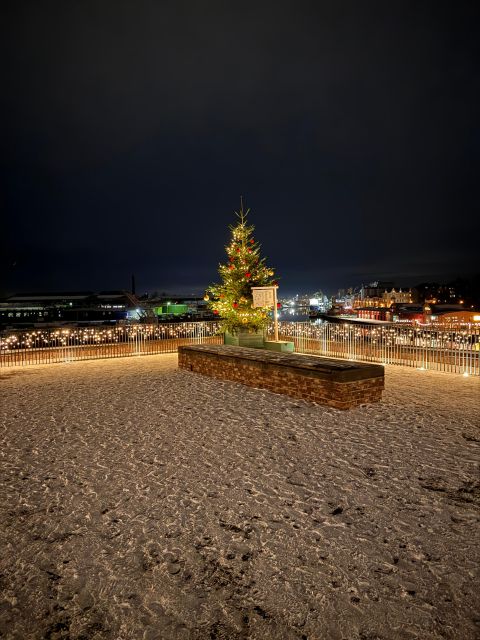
point(253, 339)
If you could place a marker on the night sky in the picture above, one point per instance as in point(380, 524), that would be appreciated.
point(130, 129)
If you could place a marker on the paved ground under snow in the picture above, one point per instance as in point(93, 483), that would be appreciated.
point(140, 501)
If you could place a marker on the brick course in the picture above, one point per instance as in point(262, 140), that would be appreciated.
point(334, 383)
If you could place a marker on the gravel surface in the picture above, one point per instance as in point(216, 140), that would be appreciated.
point(140, 501)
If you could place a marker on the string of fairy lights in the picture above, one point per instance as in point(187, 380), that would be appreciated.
point(402, 335)
point(103, 336)
point(451, 338)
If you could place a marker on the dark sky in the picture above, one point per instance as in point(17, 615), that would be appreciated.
point(130, 129)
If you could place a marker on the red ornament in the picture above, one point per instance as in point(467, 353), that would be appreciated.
point(249, 250)
point(251, 240)
point(248, 275)
point(231, 258)
point(279, 306)
point(232, 266)
point(235, 305)
point(215, 311)
point(238, 250)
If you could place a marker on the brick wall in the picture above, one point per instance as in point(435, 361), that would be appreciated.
point(288, 380)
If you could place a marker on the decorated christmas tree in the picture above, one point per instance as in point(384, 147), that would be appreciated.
point(232, 299)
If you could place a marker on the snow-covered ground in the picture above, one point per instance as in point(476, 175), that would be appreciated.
point(140, 501)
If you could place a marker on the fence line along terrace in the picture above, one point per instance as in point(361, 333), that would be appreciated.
point(454, 350)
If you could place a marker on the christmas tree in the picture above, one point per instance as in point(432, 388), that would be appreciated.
point(232, 300)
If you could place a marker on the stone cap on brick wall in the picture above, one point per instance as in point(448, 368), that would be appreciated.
point(316, 366)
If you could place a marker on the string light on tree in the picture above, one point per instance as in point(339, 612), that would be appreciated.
point(245, 268)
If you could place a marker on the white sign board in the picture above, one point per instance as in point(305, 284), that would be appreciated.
point(263, 296)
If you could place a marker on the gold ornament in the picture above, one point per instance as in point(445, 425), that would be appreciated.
point(206, 297)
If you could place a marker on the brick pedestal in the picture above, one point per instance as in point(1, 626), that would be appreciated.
point(335, 383)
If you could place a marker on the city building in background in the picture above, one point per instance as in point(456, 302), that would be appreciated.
point(39, 309)
point(83, 308)
point(379, 301)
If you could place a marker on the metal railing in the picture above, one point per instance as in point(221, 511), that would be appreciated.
point(455, 349)
point(43, 346)
point(452, 349)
